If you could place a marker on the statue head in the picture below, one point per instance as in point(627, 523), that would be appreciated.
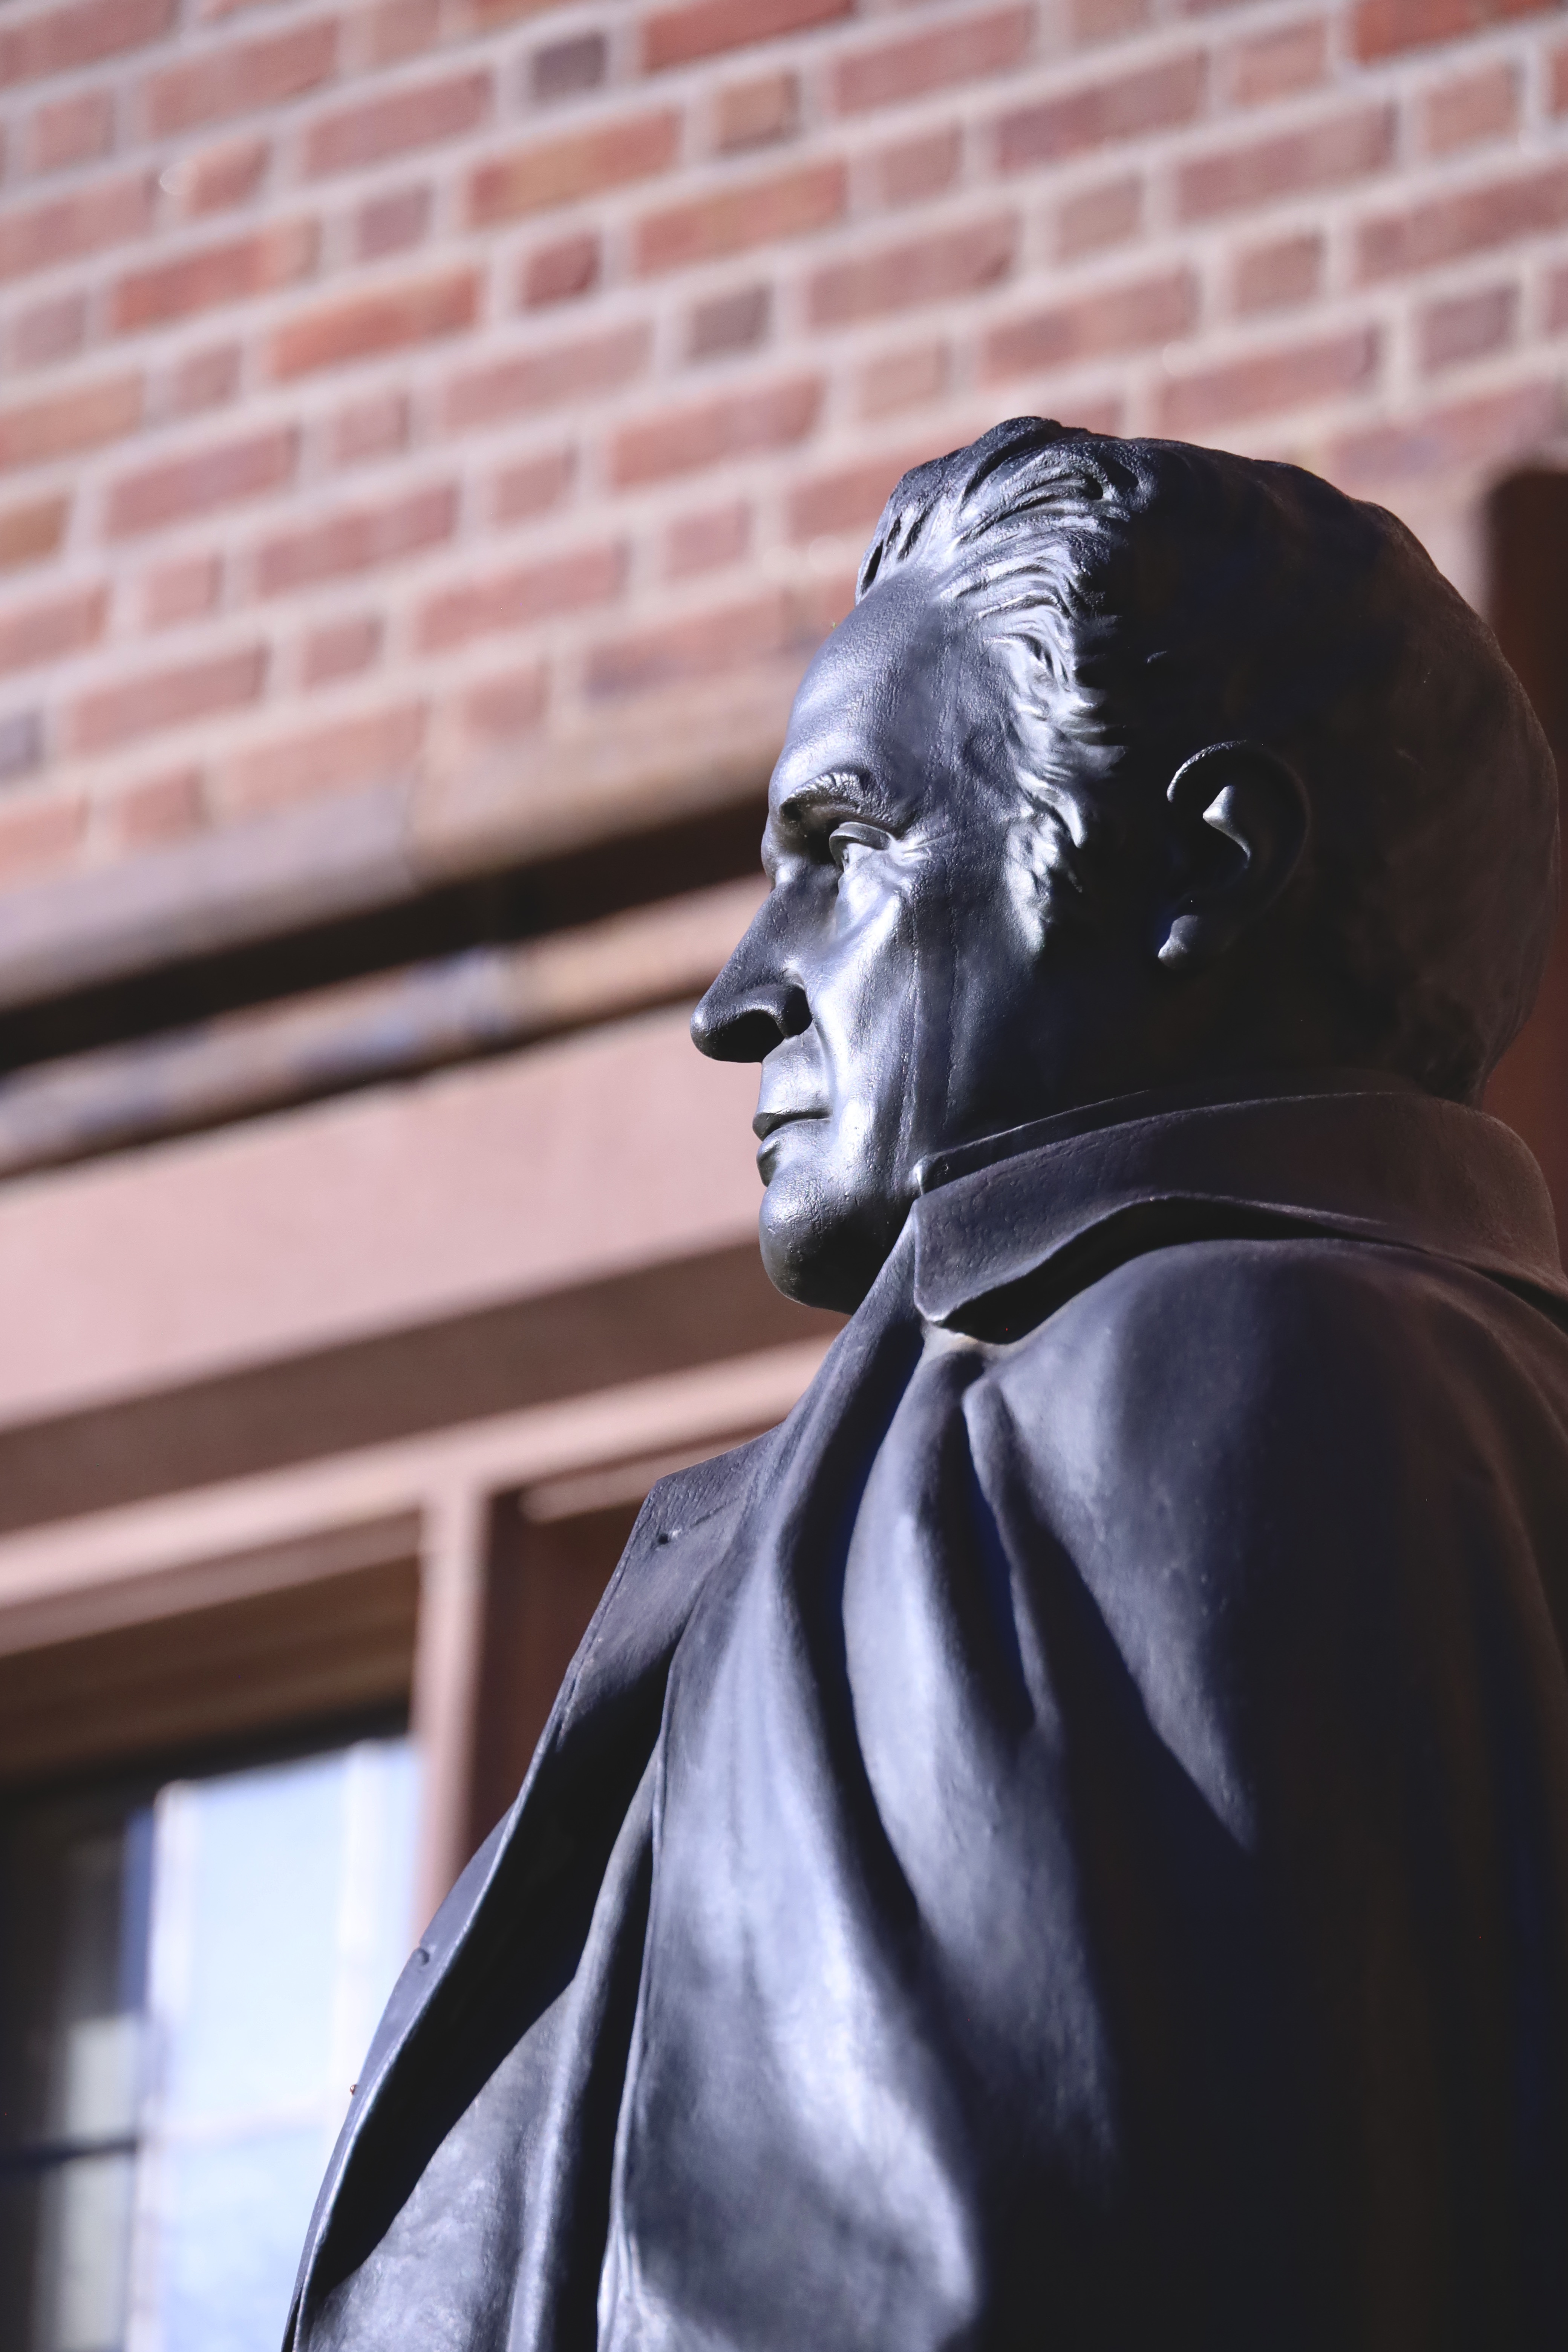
point(1135, 764)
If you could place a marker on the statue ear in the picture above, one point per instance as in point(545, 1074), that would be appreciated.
point(1241, 817)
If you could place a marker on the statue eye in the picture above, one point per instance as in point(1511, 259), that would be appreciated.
point(846, 840)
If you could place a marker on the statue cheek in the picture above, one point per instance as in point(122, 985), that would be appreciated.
point(934, 1046)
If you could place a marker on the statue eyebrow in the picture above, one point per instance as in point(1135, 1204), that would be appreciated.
point(843, 791)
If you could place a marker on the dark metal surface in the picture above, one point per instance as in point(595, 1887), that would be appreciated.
point(1065, 1840)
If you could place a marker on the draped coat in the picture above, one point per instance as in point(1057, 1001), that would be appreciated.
point(1065, 1841)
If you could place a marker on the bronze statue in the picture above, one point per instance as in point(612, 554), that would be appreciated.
point(1065, 1842)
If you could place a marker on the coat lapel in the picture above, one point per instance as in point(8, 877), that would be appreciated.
point(507, 1938)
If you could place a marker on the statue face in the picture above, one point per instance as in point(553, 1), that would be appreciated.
point(896, 986)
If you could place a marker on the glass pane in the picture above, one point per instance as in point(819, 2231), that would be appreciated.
point(74, 1882)
point(235, 2221)
point(246, 1888)
point(84, 2232)
point(186, 1990)
point(281, 1910)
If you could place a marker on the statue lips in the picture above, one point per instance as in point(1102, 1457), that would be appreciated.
point(768, 1125)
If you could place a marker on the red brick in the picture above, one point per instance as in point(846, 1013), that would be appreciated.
point(902, 379)
point(708, 645)
point(181, 591)
point(740, 424)
point(57, 40)
point(219, 177)
point(517, 599)
point(48, 331)
point(342, 649)
point(737, 321)
point(1382, 27)
point(356, 541)
point(46, 632)
point(1345, 147)
point(1092, 21)
point(1154, 98)
point(398, 29)
point(367, 325)
point(324, 760)
point(68, 421)
point(560, 272)
point(372, 427)
point(1278, 63)
point(1466, 327)
point(31, 534)
point(931, 268)
point(1557, 301)
point(241, 78)
point(731, 220)
point(1471, 433)
point(1264, 381)
point(21, 745)
point(913, 169)
point(1098, 216)
point(543, 174)
point(484, 15)
point(377, 128)
point(702, 543)
point(851, 498)
point(234, 272)
point(145, 704)
point(1112, 318)
point(162, 808)
point(704, 28)
point(562, 68)
point(40, 836)
point(1272, 276)
point(533, 485)
point(72, 130)
point(756, 113)
point(1472, 107)
point(908, 67)
point(391, 223)
point(70, 227)
point(510, 704)
point(205, 380)
point(1471, 222)
point(547, 378)
point(218, 476)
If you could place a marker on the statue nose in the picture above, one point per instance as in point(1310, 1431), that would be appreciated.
point(744, 1022)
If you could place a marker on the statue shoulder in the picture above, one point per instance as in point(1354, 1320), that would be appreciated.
point(1255, 1363)
point(697, 1491)
point(1275, 1471)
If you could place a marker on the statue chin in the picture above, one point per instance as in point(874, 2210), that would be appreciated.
point(797, 1254)
point(822, 1252)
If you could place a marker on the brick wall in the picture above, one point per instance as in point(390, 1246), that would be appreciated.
point(474, 408)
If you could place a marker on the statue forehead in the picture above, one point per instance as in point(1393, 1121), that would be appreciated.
point(889, 682)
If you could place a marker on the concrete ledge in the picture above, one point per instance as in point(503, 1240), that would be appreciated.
point(418, 1206)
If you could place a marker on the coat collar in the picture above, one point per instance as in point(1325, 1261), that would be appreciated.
point(1008, 1227)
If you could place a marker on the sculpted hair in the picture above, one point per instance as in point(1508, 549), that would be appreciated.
point(1146, 599)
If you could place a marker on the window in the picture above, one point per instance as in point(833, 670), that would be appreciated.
point(189, 1976)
